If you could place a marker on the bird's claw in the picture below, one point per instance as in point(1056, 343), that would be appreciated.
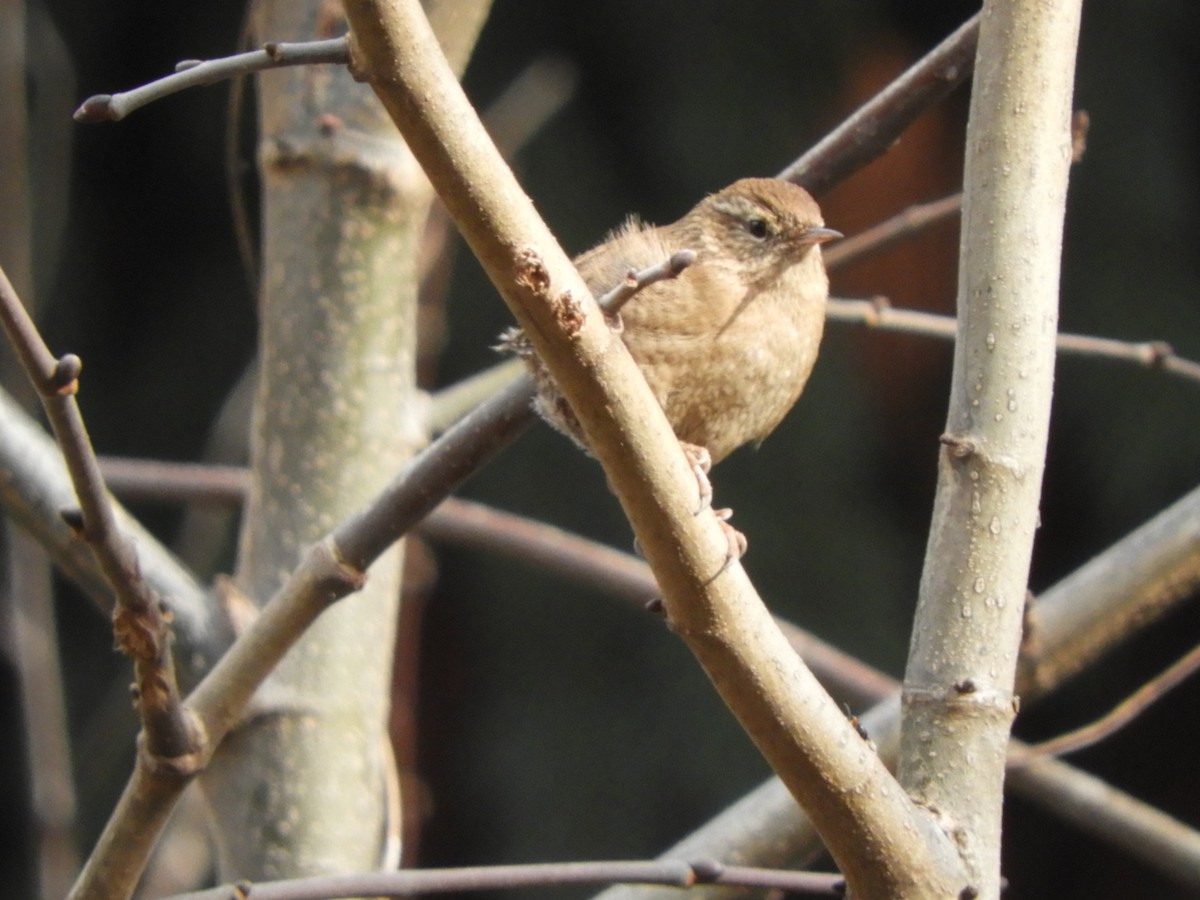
point(737, 541)
point(701, 462)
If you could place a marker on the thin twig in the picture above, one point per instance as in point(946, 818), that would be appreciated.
point(878, 313)
point(870, 131)
point(904, 225)
point(135, 480)
point(141, 621)
point(1125, 711)
point(193, 73)
point(673, 872)
point(635, 281)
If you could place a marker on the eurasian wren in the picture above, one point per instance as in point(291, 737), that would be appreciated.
point(727, 346)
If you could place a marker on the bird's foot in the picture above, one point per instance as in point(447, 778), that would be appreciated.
point(701, 462)
point(737, 541)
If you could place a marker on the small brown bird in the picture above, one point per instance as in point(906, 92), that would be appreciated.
point(728, 345)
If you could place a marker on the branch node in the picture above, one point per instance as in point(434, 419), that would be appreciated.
point(1160, 352)
point(958, 446)
point(273, 50)
point(965, 686)
point(335, 576)
point(73, 517)
point(64, 379)
point(136, 636)
point(706, 871)
point(180, 768)
point(876, 307)
point(184, 64)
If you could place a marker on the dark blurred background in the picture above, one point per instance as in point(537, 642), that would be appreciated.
point(554, 723)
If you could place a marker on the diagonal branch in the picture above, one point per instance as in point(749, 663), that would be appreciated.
point(141, 620)
point(873, 128)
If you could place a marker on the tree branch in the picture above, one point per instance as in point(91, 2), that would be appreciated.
point(194, 73)
point(874, 127)
point(878, 314)
point(674, 872)
point(141, 620)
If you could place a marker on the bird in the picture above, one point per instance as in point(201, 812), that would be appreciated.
point(727, 345)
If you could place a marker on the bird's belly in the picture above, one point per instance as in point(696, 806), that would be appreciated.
point(726, 391)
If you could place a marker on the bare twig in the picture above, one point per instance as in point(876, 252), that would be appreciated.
point(1125, 711)
point(1147, 354)
point(875, 126)
point(622, 293)
point(529, 101)
point(141, 621)
point(877, 313)
point(674, 872)
point(904, 225)
point(193, 73)
point(175, 482)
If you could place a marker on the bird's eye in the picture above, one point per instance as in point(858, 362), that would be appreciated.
point(758, 228)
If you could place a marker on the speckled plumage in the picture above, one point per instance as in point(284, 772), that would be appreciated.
point(728, 345)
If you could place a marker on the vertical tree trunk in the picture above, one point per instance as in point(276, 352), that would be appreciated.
point(958, 687)
point(300, 787)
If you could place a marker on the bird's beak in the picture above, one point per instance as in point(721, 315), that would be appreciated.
point(820, 236)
